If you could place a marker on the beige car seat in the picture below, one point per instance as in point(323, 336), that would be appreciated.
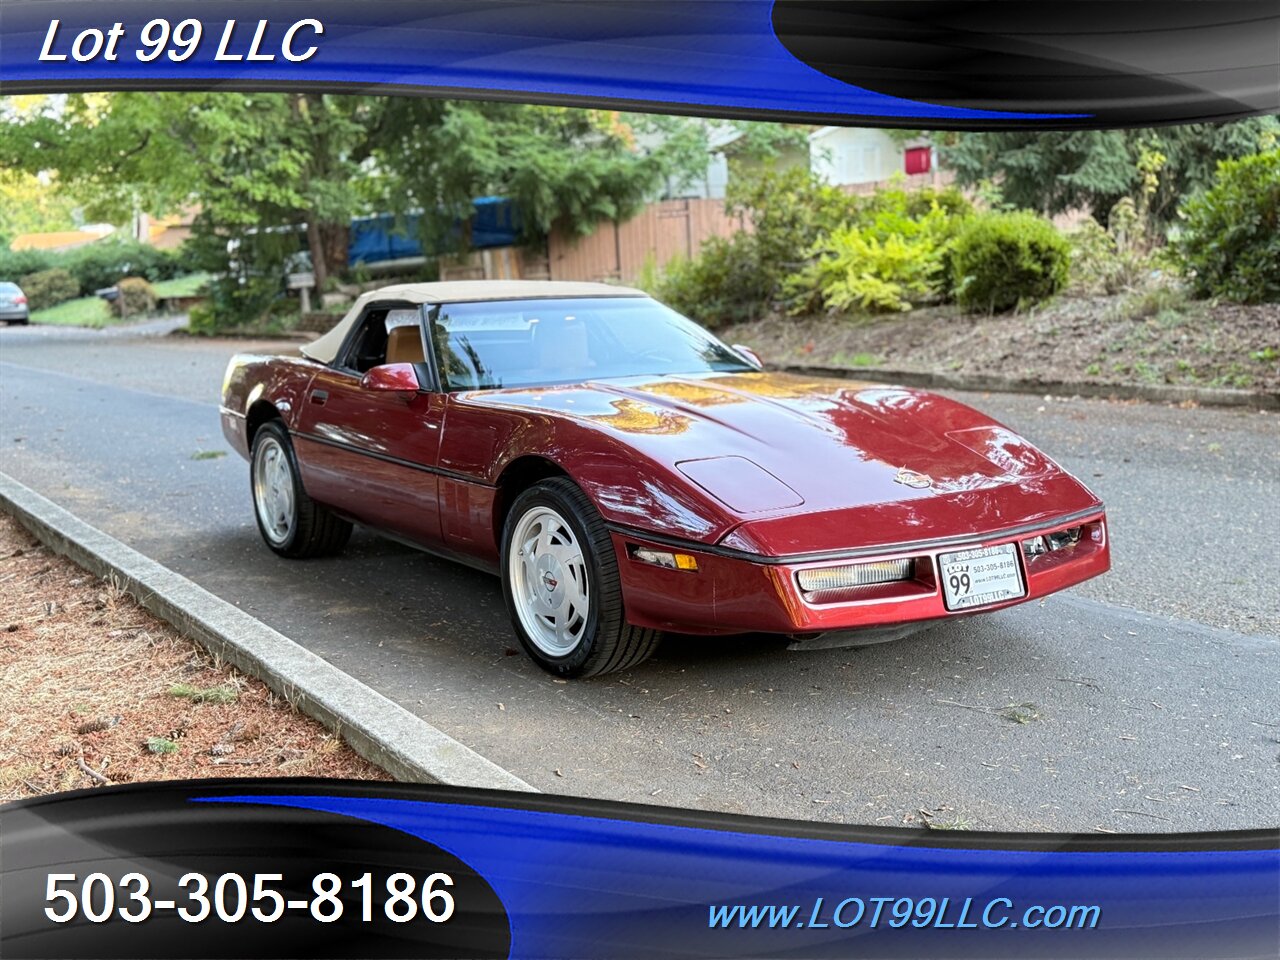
point(404, 345)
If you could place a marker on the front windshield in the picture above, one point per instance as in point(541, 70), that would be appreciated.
point(533, 343)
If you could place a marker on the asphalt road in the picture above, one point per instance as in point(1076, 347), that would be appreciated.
point(1130, 721)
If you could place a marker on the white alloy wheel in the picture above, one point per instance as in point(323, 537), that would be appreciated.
point(548, 579)
point(273, 494)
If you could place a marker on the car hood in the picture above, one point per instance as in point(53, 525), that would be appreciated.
point(769, 444)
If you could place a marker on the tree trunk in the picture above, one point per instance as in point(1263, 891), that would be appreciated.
point(315, 244)
point(335, 237)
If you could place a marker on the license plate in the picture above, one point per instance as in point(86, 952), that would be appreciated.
point(983, 575)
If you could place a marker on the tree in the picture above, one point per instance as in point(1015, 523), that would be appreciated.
point(561, 166)
point(31, 205)
point(1052, 172)
point(254, 163)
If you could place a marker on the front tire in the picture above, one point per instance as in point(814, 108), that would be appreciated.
point(560, 581)
point(291, 523)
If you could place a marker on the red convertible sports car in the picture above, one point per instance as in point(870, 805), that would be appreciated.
point(625, 473)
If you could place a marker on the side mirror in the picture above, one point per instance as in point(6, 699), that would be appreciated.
point(392, 377)
point(749, 355)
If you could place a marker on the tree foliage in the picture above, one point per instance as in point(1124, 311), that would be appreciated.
point(30, 205)
point(1052, 172)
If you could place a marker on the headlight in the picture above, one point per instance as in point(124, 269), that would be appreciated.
point(854, 575)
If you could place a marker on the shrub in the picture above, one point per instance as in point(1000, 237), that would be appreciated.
point(740, 278)
point(788, 211)
point(723, 284)
point(136, 298)
point(21, 263)
point(857, 270)
point(104, 263)
point(818, 247)
point(1004, 260)
point(234, 302)
point(914, 203)
point(48, 288)
point(1230, 245)
point(887, 260)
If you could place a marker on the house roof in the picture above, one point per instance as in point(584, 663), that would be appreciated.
point(56, 240)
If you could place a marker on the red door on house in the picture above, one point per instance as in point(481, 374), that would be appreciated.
point(916, 160)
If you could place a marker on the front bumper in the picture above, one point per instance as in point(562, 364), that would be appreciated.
point(733, 594)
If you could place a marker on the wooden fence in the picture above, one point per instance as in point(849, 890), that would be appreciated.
point(667, 229)
point(660, 232)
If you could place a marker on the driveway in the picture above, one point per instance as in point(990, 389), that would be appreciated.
point(1148, 700)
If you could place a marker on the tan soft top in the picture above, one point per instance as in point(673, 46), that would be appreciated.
point(325, 349)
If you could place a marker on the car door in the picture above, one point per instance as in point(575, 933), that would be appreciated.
point(372, 454)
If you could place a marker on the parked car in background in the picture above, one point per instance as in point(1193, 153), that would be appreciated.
point(625, 473)
point(13, 304)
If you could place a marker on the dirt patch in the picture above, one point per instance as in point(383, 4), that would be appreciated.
point(97, 690)
point(1152, 337)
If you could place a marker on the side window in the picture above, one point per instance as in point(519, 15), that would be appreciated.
point(369, 347)
point(385, 335)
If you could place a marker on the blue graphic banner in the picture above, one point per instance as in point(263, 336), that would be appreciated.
point(387, 870)
point(1020, 64)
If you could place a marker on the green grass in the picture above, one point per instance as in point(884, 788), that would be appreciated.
point(857, 360)
point(208, 455)
point(84, 312)
point(187, 286)
point(93, 312)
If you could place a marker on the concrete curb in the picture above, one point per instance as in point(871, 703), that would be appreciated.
point(378, 729)
point(1154, 393)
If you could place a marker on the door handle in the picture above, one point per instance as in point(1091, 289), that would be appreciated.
point(319, 396)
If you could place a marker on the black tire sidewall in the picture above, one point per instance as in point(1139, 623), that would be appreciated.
point(277, 431)
point(573, 663)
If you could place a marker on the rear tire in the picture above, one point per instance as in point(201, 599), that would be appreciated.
point(561, 584)
point(291, 523)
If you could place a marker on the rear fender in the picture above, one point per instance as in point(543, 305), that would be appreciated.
point(255, 381)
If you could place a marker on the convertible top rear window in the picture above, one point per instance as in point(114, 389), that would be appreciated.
point(530, 343)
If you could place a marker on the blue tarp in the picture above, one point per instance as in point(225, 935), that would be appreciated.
point(495, 223)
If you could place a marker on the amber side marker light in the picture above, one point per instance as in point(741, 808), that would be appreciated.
point(662, 558)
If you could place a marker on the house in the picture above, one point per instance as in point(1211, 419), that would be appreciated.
point(726, 159)
point(849, 156)
point(844, 156)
